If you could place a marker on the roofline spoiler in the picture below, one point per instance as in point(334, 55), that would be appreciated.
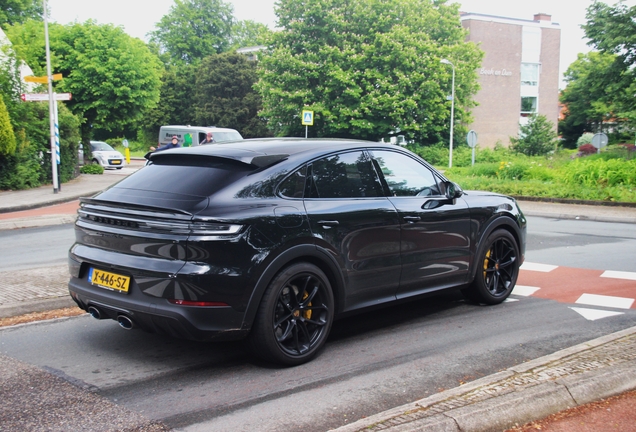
point(260, 161)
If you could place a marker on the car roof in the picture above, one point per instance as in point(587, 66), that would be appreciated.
point(265, 151)
point(199, 128)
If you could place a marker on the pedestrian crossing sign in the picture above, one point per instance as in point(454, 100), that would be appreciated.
point(308, 118)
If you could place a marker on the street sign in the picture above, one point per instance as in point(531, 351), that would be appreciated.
point(308, 118)
point(42, 79)
point(599, 140)
point(38, 97)
point(471, 139)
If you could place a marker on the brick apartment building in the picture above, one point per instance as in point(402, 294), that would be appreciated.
point(519, 75)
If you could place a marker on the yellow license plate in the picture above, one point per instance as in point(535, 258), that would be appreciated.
point(116, 162)
point(108, 280)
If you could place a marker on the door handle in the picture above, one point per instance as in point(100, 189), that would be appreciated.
point(328, 223)
point(411, 219)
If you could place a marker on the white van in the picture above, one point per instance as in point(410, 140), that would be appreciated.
point(190, 136)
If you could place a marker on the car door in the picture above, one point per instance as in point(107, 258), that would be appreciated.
point(352, 218)
point(435, 233)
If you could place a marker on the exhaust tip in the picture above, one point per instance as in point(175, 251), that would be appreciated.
point(125, 322)
point(94, 312)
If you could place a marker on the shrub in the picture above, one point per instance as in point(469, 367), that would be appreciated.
point(436, 154)
point(536, 138)
point(7, 136)
point(599, 172)
point(586, 138)
point(92, 169)
point(586, 150)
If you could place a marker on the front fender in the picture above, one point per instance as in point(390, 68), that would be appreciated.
point(507, 222)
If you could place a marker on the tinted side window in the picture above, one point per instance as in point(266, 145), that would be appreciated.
point(294, 185)
point(405, 176)
point(346, 175)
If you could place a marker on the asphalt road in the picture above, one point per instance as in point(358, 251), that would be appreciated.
point(372, 361)
point(36, 247)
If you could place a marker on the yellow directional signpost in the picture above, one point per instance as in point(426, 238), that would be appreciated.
point(42, 79)
point(308, 120)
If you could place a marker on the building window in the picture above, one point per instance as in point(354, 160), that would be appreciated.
point(530, 44)
point(528, 105)
point(530, 74)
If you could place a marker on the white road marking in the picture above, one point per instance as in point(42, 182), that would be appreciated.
point(524, 290)
point(594, 314)
point(619, 275)
point(605, 301)
point(545, 268)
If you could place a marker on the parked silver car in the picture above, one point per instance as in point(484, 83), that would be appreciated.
point(106, 156)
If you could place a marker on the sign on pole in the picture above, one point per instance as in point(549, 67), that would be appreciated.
point(599, 140)
point(42, 79)
point(39, 97)
point(308, 119)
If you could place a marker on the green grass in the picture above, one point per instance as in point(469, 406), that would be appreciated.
point(609, 176)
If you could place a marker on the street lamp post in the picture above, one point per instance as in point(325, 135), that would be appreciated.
point(450, 153)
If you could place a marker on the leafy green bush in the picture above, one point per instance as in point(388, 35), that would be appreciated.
point(92, 169)
point(599, 172)
point(436, 154)
point(586, 138)
point(538, 137)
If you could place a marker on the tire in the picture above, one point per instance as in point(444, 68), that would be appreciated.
point(295, 316)
point(498, 269)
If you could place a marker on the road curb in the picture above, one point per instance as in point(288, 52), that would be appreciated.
point(45, 305)
point(522, 393)
point(598, 218)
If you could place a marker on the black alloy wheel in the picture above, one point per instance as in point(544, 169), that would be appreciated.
point(295, 316)
point(498, 268)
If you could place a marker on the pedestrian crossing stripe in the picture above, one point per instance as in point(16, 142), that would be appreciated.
point(619, 275)
point(585, 299)
point(594, 314)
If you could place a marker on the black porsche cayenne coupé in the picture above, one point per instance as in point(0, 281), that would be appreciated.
point(271, 239)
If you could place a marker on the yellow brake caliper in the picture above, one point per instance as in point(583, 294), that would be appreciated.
point(486, 262)
point(307, 313)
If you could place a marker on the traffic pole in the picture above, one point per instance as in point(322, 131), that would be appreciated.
point(49, 80)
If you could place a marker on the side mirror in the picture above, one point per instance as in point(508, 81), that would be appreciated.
point(452, 190)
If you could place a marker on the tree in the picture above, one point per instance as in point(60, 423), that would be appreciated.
point(19, 11)
point(224, 95)
point(194, 29)
point(177, 102)
point(367, 68)
point(7, 137)
point(535, 138)
point(612, 30)
point(248, 33)
point(114, 78)
point(591, 82)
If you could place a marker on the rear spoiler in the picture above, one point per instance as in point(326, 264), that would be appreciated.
point(258, 161)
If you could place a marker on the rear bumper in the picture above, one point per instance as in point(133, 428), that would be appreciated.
point(160, 316)
point(155, 314)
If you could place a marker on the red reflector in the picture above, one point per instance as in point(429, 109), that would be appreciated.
point(196, 303)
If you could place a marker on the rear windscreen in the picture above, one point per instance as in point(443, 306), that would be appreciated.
point(187, 175)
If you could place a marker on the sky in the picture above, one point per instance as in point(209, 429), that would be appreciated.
point(138, 17)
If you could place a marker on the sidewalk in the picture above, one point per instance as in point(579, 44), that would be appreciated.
point(587, 372)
